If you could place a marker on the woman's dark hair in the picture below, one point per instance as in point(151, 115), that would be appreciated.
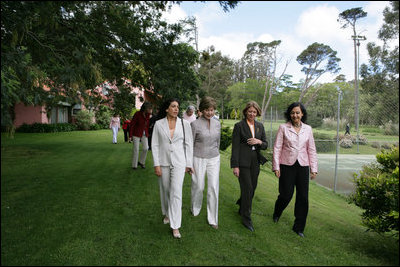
point(145, 106)
point(162, 113)
point(292, 106)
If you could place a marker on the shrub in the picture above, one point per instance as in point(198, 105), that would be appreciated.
point(46, 127)
point(362, 140)
point(84, 119)
point(226, 138)
point(96, 126)
point(346, 143)
point(324, 143)
point(377, 192)
point(391, 128)
point(103, 117)
point(314, 120)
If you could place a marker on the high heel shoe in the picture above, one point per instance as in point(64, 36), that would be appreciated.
point(166, 220)
point(176, 234)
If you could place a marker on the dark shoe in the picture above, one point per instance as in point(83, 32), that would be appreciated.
point(299, 233)
point(133, 168)
point(249, 226)
point(275, 219)
point(141, 165)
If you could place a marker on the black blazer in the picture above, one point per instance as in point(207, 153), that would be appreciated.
point(241, 151)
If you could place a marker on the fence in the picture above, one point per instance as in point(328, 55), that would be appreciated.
point(352, 153)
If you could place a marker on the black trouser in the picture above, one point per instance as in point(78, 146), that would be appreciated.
point(292, 176)
point(248, 178)
point(126, 135)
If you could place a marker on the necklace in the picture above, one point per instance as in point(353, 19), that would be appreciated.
point(297, 125)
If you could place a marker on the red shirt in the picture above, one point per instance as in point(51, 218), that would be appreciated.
point(125, 125)
point(139, 124)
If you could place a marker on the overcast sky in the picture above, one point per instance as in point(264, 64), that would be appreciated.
point(297, 24)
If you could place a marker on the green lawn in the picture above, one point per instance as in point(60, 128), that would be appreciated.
point(73, 199)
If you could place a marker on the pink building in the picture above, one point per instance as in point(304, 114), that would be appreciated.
point(65, 112)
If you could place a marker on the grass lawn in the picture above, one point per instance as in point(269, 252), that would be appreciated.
point(72, 199)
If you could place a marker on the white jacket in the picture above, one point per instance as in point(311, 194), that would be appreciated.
point(169, 151)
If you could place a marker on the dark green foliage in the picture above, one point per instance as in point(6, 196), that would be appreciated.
point(103, 116)
point(324, 143)
point(46, 128)
point(377, 192)
point(84, 119)
point(226, 138)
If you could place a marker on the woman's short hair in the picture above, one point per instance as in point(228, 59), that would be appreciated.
point(190, 108)
point(292, 106)
point(146, 106)
point(254, 105)
point(206, 103)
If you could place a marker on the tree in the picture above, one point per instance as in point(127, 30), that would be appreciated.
point(312, 59)
point(75, 46)
point(350, 17)
point(216, 73)
point(381, 76)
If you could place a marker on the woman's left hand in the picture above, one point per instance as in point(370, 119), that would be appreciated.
point(190, 170)
point(254, 141)
point(313, 175)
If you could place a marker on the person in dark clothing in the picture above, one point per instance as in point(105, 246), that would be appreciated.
point(248, 138)
point(347, 129)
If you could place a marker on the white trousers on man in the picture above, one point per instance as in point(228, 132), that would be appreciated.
point(201, 168)
point(115, 133)
point(171, 183)
point(135, 153)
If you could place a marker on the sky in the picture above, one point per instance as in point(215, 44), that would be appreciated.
point(297, 24)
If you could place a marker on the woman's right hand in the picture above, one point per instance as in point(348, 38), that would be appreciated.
point(157, 171)
point(277, 173)
point(236, 171)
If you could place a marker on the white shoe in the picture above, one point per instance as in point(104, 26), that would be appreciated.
point(176, 234)
point(166, 220)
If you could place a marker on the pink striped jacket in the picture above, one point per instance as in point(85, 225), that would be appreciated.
point(290, 146)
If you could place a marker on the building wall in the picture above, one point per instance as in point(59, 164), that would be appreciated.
point(29, 114)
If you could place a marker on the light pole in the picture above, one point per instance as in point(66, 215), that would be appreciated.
point(337, 138)
point(356, 66)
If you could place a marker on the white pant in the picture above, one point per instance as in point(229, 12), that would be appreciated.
point(201, 167)
point(115, 133)
point(135, 153)
point(171, 183)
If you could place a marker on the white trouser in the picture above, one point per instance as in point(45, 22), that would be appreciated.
point(201, 167)
point(115, 133)
point(171, 183)
point(135, 153)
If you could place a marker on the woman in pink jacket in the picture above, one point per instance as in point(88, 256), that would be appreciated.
point(294, 158)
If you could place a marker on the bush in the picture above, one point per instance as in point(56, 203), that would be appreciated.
point(314, 120)
point(346, 143)
point(96, 126)
point(46, 127)
point(324, 143)
point(226, 138)
point(103, 117)
point(391, 128)
point(84, 119)
point(377, 192)
point(362, 140)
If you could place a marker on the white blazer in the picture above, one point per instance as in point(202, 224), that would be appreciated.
point(169, 151)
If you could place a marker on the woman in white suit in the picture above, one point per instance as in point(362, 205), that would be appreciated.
point(172, 149)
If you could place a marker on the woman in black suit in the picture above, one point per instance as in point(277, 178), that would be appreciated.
point(247, 139)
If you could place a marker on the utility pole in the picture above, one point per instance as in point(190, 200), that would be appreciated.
point(356, 39)
point(337, 138)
